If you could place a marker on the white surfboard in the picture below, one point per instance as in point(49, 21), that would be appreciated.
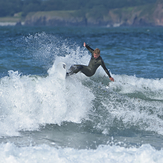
point(61, 70)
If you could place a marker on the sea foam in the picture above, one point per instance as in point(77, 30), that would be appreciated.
point(113, 154)
point(30, 101)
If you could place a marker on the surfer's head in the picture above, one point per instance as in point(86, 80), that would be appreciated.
point(96, 53)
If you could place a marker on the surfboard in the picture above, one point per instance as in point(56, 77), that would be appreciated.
point(61, 70)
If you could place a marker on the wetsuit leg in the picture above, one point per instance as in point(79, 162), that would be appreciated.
point(74, 69)
point(84, 69)
point(87, 71)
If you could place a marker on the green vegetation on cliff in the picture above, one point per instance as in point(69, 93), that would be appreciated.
point(83, 12)
point(95, 7)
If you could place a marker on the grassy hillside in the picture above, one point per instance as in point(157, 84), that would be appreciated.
point(10, 7)
point(132, 15)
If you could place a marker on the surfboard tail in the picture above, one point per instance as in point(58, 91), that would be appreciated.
point(61, 70)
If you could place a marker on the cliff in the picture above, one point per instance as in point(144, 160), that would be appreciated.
point(55, 18)
point(148, 15)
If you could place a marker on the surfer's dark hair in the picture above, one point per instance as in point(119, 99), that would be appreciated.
point(96, 51)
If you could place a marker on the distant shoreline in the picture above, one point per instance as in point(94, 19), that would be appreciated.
point(11, 21)
point(139, 16)
point(8, 23)
point(11, 24)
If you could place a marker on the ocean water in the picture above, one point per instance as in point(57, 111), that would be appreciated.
point(44, 118)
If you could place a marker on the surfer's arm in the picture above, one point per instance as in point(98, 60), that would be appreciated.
point(89, 48)
point(106, 70)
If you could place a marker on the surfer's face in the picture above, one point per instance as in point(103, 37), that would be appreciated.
point(96, 55)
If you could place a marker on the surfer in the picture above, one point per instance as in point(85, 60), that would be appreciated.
point(94, 63)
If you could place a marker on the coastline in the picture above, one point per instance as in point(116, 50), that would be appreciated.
point(11, 21)
point(8, 23)
point(147, 15)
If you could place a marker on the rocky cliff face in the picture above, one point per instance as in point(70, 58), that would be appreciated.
point(148, 15)
point(158, 15)
point(55, 18)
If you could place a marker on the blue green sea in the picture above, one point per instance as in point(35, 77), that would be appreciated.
point(44, 118)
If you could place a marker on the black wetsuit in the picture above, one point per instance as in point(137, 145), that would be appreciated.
point(92, 66)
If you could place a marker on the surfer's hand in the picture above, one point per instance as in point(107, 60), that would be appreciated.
point(112, 79)
point(84, 44)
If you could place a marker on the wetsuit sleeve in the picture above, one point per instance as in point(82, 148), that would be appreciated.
point(90, 49)
point(104, 67)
